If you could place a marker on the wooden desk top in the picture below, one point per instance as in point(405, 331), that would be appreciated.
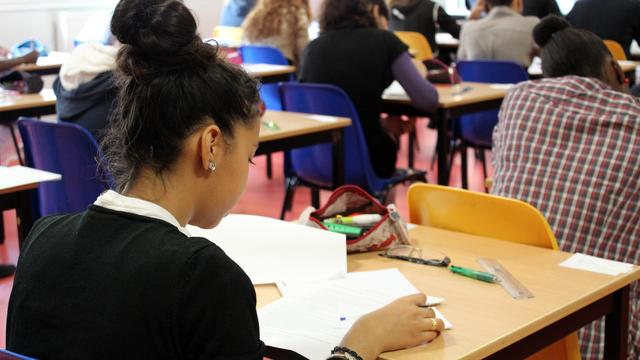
point(12, 101)
point(264, 70)
point(53, 61)
point(451, 96)
point(294, 124)
point(485, 317)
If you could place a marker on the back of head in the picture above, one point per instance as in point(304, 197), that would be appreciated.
point(339, 13)
point(268, 16)
point(170, 84)
point(569, 51)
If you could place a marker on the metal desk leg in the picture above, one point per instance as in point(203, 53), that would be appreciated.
point(617, 326)
point(338, 158)
point(443, 146)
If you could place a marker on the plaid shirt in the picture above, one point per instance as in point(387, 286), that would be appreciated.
point(571, 147)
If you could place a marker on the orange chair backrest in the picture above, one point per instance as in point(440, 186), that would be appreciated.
point(615, 49)
point(418, 45)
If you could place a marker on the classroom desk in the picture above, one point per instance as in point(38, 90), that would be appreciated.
point(269, 73)
point(299, 130)
point(47, 65)
point(452, 104)
point(19, 194)
point(487, 322)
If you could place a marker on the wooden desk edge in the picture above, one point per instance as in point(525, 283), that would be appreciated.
point(19, 188)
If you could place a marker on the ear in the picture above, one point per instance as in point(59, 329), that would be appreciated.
point(618, 72)
point(211, 145)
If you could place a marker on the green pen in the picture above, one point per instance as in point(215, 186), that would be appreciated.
point(474, 274)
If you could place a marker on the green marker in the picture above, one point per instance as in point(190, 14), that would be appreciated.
point(344, 229)
point(474, 274)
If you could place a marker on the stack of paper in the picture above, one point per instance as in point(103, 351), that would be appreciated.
point(270, 250)
point(596, 264)
point(313, 318)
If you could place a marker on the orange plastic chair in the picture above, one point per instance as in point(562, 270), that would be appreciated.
point(230, 35)
point(616, 50)
point(489, 216)
point(418, 45)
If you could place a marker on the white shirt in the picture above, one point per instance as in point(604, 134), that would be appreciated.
point(113, 201)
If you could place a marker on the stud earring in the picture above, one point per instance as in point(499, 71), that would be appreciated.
point(212, 166)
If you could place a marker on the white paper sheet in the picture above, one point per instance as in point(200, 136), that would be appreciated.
point(313, 322)
point(323, 118)
point(255, 68)
point(270, 250)
point(15, 176)
point(395, 90)
point(596, 264)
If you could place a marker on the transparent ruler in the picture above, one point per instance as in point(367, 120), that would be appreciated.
point(508, 282)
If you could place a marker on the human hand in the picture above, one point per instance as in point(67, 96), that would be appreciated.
point(477, 10)
point(401, 324)
point(30, 58)
point(396, 126)
point(4, 52)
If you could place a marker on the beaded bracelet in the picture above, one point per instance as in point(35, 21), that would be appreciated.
point(346, 352)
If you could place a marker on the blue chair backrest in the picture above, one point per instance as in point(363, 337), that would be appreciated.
point(258, 54)
point(69, 150)
point(478, 128)
point(314, 163)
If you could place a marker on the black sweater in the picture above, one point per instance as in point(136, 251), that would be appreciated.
point(110, 285)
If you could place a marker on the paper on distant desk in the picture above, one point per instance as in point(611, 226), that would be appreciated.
point(395, 90)
point(256, 68)
point(313, 322)
point(270, 250)
point(15, 176)
point(596, 264)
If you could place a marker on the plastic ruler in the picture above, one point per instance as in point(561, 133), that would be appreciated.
point(508, 281)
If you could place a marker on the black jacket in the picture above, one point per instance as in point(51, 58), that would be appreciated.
point(540, 8)
point(89, 105)
point(425, 17)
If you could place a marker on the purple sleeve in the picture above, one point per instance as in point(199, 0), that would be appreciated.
point(423, 95)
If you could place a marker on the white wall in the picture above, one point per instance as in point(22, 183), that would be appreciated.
point(41, 19)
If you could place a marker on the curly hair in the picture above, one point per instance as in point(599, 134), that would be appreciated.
point(267, 17)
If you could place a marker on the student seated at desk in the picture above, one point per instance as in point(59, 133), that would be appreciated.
point(569, 145)
point(282, 24)
point(235, 11)
point(503, 34)
point(356, 53)
point(124, 279)
point(423, 16)
point(85, 88)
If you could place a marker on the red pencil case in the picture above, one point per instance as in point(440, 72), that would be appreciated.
point(349, 199)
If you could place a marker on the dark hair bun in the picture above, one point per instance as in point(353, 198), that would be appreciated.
point(158, 36)
point(548, 26)
point(156, 27)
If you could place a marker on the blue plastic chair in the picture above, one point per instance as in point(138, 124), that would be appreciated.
point(258, 54)
point(312, 166)
point(71, 151)
point(476, 130)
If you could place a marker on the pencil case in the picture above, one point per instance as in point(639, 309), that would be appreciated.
point(347, 200)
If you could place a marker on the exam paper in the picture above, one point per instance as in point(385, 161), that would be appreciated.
point(256, 68)
point(15, 176)
point(313, 322)
point(395, 90)
point(596, 264)
point(271, 250)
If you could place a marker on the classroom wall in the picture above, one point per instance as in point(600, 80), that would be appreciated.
point(56, 23)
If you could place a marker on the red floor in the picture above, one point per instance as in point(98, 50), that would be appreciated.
point(262, 197)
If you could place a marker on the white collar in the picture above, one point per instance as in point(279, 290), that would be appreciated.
point(117, 202)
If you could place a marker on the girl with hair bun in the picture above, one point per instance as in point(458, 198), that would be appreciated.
point(569, 144)
point(124, 279)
